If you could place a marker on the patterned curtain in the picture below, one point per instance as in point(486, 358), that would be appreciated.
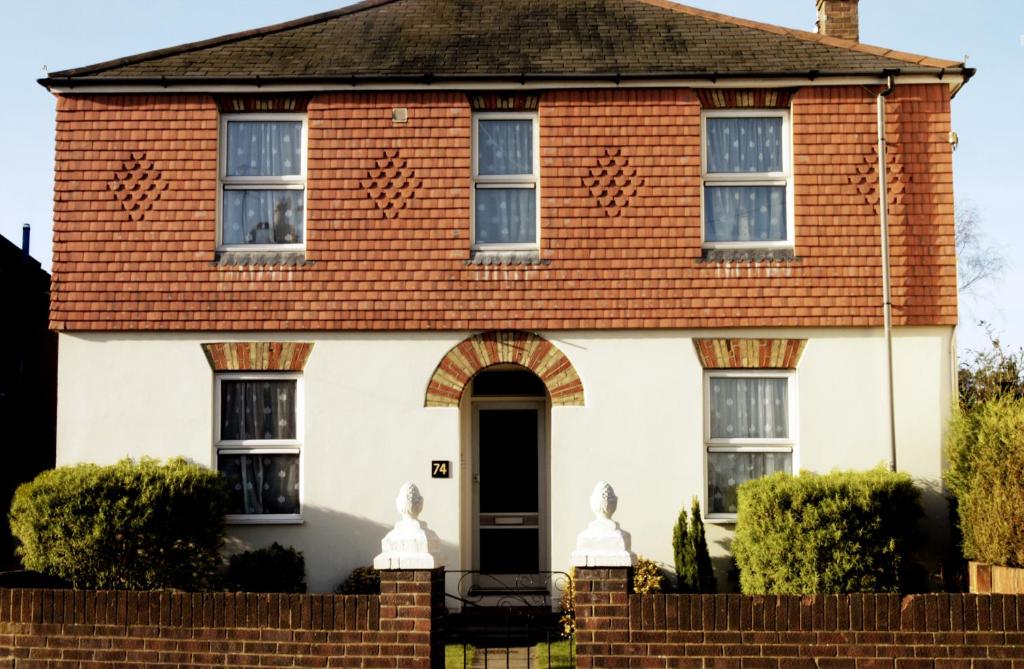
point(263, 215)
point(744, 213)
point(264, 148)
point(745, 408)
point(753, 408)
point(257, 410)
point(505, 215)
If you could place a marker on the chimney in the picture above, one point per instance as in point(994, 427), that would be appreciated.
point(26, 232)
point(838, 18)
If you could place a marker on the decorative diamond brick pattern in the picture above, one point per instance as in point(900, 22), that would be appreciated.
point(137, 185)
point(750, 353)
point(525, 349)
point(257, 356)
point(612, 182)
point(646, 271)
point(391, 183)
point(866, 179)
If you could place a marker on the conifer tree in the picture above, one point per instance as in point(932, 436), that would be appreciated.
point(682, 548)
point(704, 577)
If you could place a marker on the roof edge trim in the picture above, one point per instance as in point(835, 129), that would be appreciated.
point(504, 82)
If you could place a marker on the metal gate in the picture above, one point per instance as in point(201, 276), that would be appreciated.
point(508, 621)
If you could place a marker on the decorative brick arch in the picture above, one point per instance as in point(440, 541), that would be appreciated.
point(498, 347)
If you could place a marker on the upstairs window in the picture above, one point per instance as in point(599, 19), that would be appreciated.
point(506, 181)
point(747, 182)
point(263, 181)
point(749, 432)
point(258, 442)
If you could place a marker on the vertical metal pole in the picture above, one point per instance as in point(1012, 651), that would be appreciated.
point(883, 209)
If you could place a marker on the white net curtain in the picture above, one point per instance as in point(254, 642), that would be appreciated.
point(505, 215)
point(254, 213)
point(744, 213)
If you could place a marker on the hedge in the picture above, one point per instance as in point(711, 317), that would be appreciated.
point(986, 474)
point(833, 533)
point(132, 525)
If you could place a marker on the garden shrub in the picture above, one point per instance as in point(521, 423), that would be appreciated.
point(647, 577)
point(271, 569)
point(986, 470)
point(132, 525)
point(567, 606)
point(833, 533)
point(362, 581)
point(692, 560)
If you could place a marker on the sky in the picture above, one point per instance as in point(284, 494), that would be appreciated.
point(988, 165)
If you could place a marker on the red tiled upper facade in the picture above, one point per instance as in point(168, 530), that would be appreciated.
point(389, 220)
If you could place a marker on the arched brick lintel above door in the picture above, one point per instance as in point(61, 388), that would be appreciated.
point(499, 347)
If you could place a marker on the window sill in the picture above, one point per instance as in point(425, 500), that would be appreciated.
point(261, 258)
point(721, 519)
point(495, 257)
point(749, 255)
point(264, 520)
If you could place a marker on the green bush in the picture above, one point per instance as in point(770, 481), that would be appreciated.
point(833, 533)
point(362, 581)
point(986, 470)
point(132, 525)
point(271, 569)
point(692, 560)
point(647, 577)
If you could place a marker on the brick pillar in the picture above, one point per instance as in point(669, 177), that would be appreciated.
point(412, 606)
point(602, 614)
point(839, 18)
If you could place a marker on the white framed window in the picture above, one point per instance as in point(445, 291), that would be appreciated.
point(258, 441)
point(506, 181)
point(262, 182)
point(750, 431)
point(746, 179)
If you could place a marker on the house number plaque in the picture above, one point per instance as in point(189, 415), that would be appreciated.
point(440, 469)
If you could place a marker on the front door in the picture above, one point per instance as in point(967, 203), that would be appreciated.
point(509, 497)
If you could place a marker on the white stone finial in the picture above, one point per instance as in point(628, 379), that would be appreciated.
point(603, 501)
point(409, 501)
point(411, 545)
point(603, 543)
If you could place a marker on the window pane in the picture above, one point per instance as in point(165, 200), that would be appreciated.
point(261, 483)
point(726, 471)
point(744, 145)
point(264, 148)
point(505, 147)
point(506, 216)
point(754, 408)
point(745, 213)
point(263, 216)
point(257, 410)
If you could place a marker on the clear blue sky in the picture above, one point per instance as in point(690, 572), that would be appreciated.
point(989, 164)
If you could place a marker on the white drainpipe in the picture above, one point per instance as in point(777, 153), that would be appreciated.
point(883, 208)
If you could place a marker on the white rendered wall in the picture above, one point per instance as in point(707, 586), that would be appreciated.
point(367, 431)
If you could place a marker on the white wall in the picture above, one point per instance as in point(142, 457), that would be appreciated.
point(367, 430)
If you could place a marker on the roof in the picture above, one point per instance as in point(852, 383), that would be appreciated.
point(495, 39)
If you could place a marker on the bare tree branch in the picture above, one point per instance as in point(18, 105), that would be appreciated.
point(978, 261)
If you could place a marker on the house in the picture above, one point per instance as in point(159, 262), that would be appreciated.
point(28, 376)
point(506, 249)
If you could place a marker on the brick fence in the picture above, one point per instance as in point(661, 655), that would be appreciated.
point(876, 631)
point(400, 628)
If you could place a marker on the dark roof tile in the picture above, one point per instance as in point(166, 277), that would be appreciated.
point(502, 38)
